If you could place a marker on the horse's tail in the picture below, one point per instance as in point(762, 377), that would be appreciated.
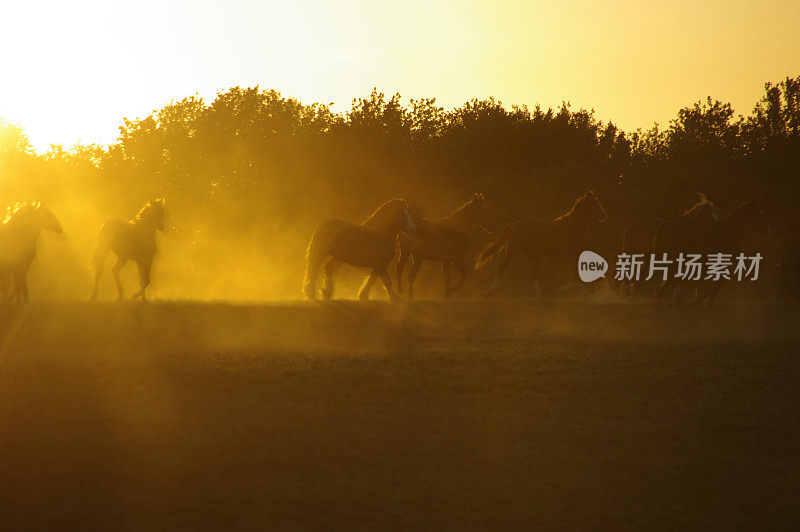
point(658, 244)
point(493, 249)
point(102, 248)
point(315, 254)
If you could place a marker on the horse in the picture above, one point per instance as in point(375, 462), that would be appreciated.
point(19, 232)
point(445, 240)
point(130, 240)
point(639, 234)
point(690, 235)
point(563, 237)
point(783, 251)
point(371, 244)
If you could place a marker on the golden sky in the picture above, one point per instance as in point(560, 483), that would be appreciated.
point(72, 69)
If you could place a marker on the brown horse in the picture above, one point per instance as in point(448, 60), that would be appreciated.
point(639, 234)
point(369, 245)
point(19, 232)
point(563, 237)
point(690, 235)
point(130, 240)
point(445, 240)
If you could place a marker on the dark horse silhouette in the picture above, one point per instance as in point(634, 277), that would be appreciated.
point(445, 240)
point(639, 234)
point(687, 234)
point(783, 251)
point(130, 240)
point(563, 237)
point(19, 232)
point(370, 245)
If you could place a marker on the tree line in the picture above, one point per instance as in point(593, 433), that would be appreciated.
point(255, 161)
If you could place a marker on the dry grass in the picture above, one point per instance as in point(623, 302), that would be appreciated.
point(512, 413)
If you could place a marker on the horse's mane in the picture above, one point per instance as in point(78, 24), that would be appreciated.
point(383, 215)
point(147, 208)
point(575, 204)
point(468, 203)
point(749, 204)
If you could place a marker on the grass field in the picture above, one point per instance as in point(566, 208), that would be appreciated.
point(469, 414)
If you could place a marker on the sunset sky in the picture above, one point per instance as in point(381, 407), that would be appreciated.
point(72, 70)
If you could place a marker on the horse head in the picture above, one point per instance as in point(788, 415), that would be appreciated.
point(391, 217)
point(704, 209)
point(589, 206)
point(752, 218)
point(153, 214)
point(34, 215)
point(478, 212)
point(407, 221)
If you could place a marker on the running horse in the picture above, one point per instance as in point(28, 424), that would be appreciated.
point(639, 234)
point(690, 235)
point(563, 238)
point(19, 232)
point(130, 240)
point(371, 244)
point(446, 241)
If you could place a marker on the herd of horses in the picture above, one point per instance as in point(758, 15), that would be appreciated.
point(393, 234)
point(129, 240)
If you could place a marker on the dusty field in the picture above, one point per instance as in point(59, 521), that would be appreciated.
point(508, 413)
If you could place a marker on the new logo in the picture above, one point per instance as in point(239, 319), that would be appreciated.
point(591, 266)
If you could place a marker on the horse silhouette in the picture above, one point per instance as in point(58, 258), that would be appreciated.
point(563, 237)
point(130, 240)
point(371, 244)
point(19, 232)
point(691, 235)
point(639, 234)
point(445, 240)
point(783, 251)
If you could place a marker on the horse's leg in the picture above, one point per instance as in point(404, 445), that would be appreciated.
point(115, 270)
point(712, 293)
point(387, 282)
point(446, 275)
point(98, 263)
point(401, 266)
point(534, 269)
point(96, 288)
point(677, 293)
point(623, 289)
point(21, 285)
point(144, 278)
point(327, 283)
point(659, 289)
point(634, 288)
point(462, 270)
point(511, 254)
point(412, 274)
point(317, 252)
point(363, 293)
